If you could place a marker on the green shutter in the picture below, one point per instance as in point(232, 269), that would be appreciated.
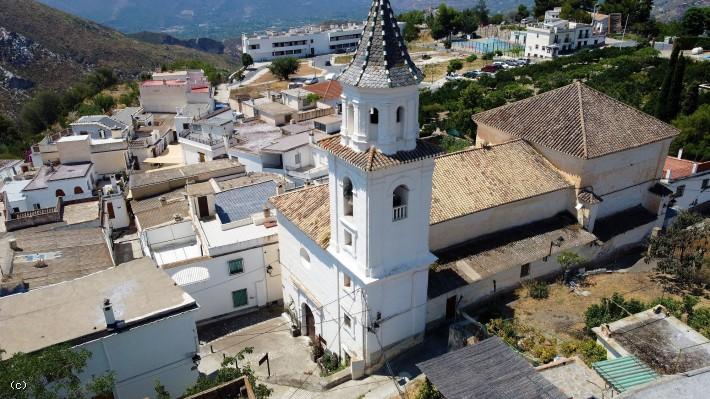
point(236, 266)
point(239, 298)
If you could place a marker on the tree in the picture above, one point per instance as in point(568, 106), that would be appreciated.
point(160, 391)
point(573, 10)
point(482, 12)
point(40, 113)
point(229, 370)
point(52, 373)
point(694, 137)
point(444, 22)
point(569, 260)
point(691, 99)
point(696, 21)
point(454, 65)
point(247, 60)
point(680, 251)
point(284, 67)
point(637, 11)
point(676, 90)
point(521, 13)
point(467, 21)
point(104, 101)
point(544, 5)
point(610, 310)
point(497, 19)
point(662, 102)
point(411, 20)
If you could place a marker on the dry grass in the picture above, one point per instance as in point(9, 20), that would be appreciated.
point(438, 71)
point(562, 313)
point(305, 69)
point(255, 90)
point(343, 59)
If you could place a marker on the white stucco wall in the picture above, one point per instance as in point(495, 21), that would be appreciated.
point(159, 350)
point(215, 295)
point(693, 194)
point(47, 197)
point(503, 217)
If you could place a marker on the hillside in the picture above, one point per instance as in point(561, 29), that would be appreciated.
point(202, 44)
point(43, 48)
point(221, 19)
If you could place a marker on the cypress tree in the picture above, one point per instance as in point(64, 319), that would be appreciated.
point(661, 105)
point(692, 97)
point(676, 89)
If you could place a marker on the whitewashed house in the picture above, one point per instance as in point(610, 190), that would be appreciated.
point(567, 170)
point(168, 92)
point(206, 138)
point(73, 182)
point(556, 36)
point(218, 240)
point(689, 181)
point(10, 168)
point(133, 320)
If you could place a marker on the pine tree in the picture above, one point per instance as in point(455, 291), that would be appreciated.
point(662, 105)
point(676, 89)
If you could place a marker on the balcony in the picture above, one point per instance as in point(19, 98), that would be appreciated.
point(399, 213)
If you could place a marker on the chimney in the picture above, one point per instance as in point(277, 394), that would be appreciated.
point(13, 244)
point(114, 185)
point(163, 201)
point(108, 314)
point(695, 168)
point(267, 213)
point(668, 174)
point(311, 137)
point(680, 154)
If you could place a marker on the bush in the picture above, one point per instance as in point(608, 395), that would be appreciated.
point(610, 310)
point(427, 391)
point(592, 352)
point(454, 65)
point(284, 67)
point(538, 290)
point(488, 56)
point(700, 321)
point(471, 58)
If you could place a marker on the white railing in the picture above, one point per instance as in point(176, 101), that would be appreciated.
point(399, 213)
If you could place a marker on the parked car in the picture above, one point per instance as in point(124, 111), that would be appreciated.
point(472, 74)
point(490, 69)
point(311, 81)
point(330, 76)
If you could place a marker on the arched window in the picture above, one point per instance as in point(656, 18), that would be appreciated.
point(374, 116)
point(78, 190)
point(400, 196)
point(305, 258)
point(347, 197)
point(400, 114)
point(59, 193)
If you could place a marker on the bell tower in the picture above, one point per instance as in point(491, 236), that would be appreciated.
point(380, 173)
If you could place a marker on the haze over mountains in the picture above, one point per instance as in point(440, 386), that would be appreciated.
point(221, 19)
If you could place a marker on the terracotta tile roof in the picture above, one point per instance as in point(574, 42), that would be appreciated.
point(476, 179)
point(373, 159)
point(682, 168)
point(381, 60)
point(309, 210)
point(163, 214)
point(464, 182)
point(579, 121)
point(328, 90)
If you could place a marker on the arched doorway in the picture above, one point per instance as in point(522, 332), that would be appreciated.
point(309, 323)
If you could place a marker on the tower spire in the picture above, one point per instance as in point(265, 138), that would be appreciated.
point(382, 59)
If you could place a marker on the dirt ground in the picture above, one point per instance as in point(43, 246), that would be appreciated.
point(438, 71)
point(304, 69)
point(562, 313)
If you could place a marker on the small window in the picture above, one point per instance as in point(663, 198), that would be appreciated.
point(239, 298)
point(400, 197)
point(347, 321)
point(347, 282)
point(236, 266)
point(15, 210)
point(298, 158)
point(706, 184)
point(78, 190)
point(680, 191)
point(525, 270)
point(374, 116)
point(59, 193)
point(400, 114)
point(347, 197)
point(347, 239)
point(36, 206)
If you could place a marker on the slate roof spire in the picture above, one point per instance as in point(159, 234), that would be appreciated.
point(382, 59)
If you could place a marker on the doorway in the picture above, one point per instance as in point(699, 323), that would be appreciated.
point(203, 208)
point(451, 308)
point(310, 323)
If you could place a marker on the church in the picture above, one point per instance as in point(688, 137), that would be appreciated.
point(403, 235)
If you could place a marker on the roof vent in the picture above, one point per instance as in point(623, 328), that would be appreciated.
point(178, 218)
point(108, 314)
point(163, 201)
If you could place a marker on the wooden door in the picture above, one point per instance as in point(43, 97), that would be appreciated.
point(310, 324)
point(111, 212)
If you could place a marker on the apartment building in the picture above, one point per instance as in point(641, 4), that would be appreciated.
point(557, 37)
point(300, 42)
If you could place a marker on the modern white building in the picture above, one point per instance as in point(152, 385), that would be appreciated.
point(218, 241)
point(357, 253)
point(555, 37)
point(133, 320)
point(302, 42)
point(206, 138)
point(169, 92)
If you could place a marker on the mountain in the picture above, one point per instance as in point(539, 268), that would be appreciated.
point(221, 19)
point(202, 44)
point(43, 48)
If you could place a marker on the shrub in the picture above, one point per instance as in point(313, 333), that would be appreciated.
point(610, 310)
point(454, 65)
point(592, 352)
point(569, 348)
point(488, 56)
point(471, 58)
point(538, 289)
point(700, 321)
point(427, 391)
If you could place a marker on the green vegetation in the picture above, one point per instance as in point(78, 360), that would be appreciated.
point(680, 251)
point(537, 289)
point(590, 351)
point(284, 67)
point(232, 367)
point(526, 339)
point(448, 20)
point(59, 364)
point(617, 307)
point(412, 19)
point(247, 60)
point(694, 137)
point(454, 65)
point(48, 108)
point(428, 391)
point(696, 21)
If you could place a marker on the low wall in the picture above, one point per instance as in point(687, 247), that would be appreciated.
point(22, 220)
